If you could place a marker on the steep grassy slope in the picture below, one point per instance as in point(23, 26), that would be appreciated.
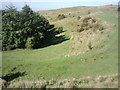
point(59, 61)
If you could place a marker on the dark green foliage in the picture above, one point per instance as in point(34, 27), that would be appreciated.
point(86, 19)
point(89, 23)
point(61, 16)
point(101, 28)
point(26, 29)
point(30, 42)
point(23, 29)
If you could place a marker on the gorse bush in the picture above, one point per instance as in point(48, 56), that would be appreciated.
point(80, 30)
point(61, 16)
point(85, 20)
point(90, 23)
point(79, 17)
point(101, 28)
point(23, 29)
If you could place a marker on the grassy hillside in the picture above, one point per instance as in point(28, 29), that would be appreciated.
point(71, 58)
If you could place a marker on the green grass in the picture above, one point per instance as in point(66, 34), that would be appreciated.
point(50, 62)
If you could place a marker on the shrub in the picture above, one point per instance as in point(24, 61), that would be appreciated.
point(89, 12)
point(88, 23)
point(90, 45)
point(101, 28)
point(81, 29)
point(61, 16)
point(79, 17)
point(86, 19)
point(93, 20)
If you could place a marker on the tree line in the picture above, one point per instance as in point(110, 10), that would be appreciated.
point(25, 29)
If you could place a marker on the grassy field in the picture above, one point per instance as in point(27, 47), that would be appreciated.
point(70, 59)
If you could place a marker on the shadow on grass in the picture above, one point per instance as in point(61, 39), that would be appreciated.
point(54, 41)
point(52, 37)
point(12, 76)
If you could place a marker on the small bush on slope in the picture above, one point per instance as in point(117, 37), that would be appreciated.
point(61, 16)
point(88, 23)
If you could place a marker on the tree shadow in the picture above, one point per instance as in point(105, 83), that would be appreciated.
point(52, 37)
point(54, 41)
point(12, 76)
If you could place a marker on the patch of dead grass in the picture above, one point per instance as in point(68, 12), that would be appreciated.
point(101, 81)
